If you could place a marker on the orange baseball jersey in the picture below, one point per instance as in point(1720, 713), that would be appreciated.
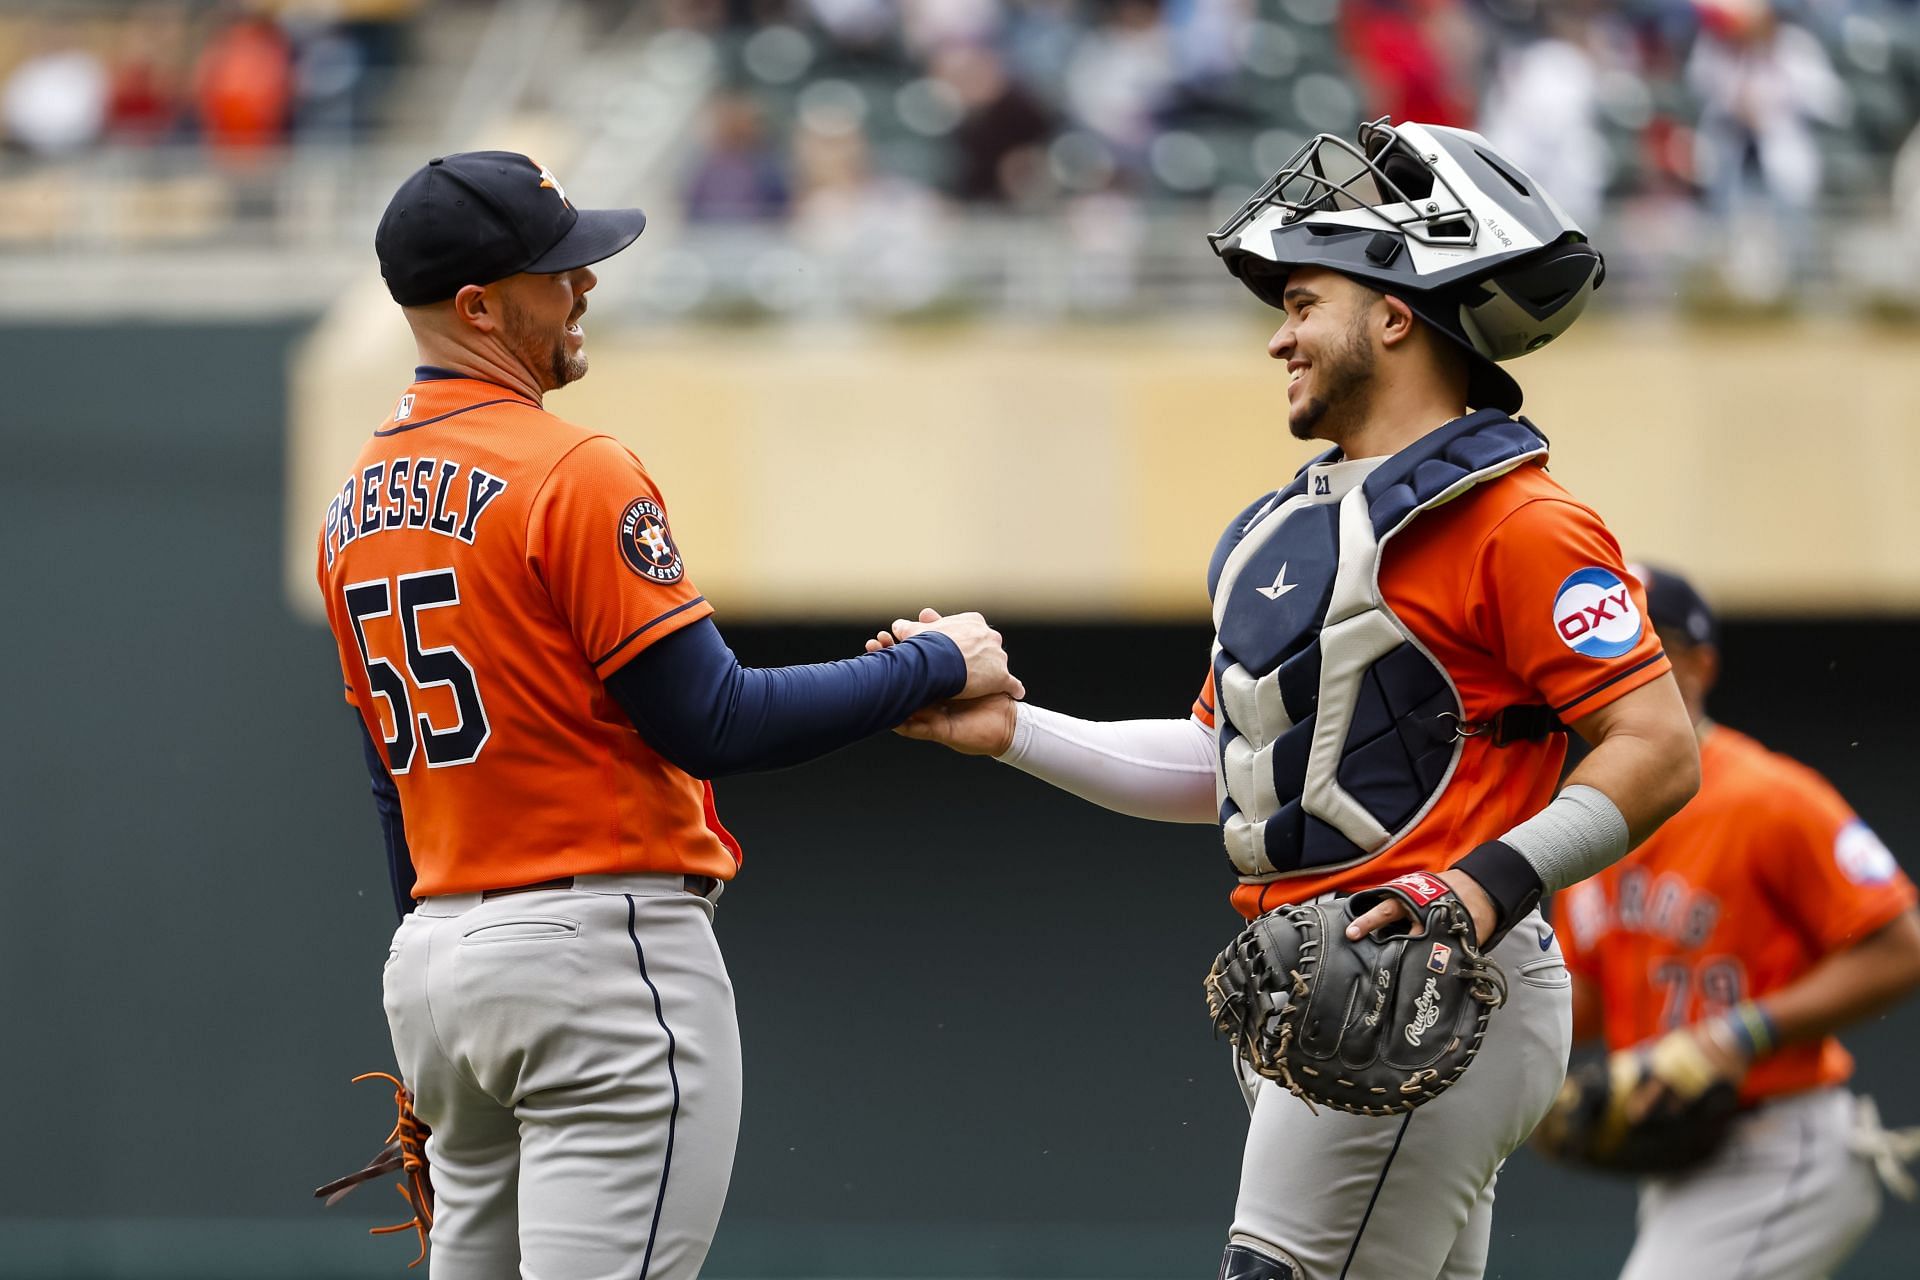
point(1764, 872)
point(485, 567)
point(1506, 587)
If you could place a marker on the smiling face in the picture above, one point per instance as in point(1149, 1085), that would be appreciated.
point(1327, 343)
point(540, 323)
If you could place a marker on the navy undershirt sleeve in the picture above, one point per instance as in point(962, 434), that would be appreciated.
point(699, 708)
point(386, 801)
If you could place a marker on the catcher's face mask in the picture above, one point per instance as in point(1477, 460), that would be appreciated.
point(1381, 181)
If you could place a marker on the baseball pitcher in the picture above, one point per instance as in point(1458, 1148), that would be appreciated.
point(543, 696)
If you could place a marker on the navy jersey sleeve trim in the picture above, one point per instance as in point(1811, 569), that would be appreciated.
point(700, 709)
point(1609, 682)
point(641, 630)
point(451, 413)
point(386, 802)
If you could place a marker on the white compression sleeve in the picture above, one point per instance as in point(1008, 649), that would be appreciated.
point(1159, 769)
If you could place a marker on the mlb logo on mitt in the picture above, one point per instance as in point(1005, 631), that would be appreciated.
point(1438, 957)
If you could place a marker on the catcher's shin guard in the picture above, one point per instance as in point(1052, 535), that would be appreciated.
point(1243, 1262)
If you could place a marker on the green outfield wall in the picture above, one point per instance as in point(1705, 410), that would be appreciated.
point(971, 1007)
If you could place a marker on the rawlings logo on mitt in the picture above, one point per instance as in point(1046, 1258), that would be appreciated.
point(1374, 1027)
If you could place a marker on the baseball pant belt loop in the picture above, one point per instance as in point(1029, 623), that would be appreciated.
point(646, 884)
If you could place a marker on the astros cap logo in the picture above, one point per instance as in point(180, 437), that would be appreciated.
point(1595, 615)
point(550, 183)
point(646, 544)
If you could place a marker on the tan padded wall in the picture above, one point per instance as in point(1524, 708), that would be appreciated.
point(1085, 473)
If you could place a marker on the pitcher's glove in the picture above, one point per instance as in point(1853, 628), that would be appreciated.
point(1374, 1027)
point(1655, 1109)
point(406, 1152)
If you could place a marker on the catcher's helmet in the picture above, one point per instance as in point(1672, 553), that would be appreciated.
point(1435, 217)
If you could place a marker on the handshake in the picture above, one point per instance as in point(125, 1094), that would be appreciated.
point(980, 720)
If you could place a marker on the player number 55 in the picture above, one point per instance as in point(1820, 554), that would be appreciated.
point(435, 589)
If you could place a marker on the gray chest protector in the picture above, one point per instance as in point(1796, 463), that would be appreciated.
point(1337, 729)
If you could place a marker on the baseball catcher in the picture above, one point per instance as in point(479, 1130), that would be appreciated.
point(1373, 1027)
point(1405, 632)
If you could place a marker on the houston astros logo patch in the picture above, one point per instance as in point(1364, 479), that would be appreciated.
point(646, 544)
point(1595, 614)
point(1863, 857)
point(550, 183)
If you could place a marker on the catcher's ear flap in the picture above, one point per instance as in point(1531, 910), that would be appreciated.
point(1268, 280)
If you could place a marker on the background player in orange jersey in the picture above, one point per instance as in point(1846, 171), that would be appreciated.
point(1404, 633)
point(543, 695)
point(1758, 921)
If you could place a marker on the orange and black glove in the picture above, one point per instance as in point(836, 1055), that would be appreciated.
point(406, 1152)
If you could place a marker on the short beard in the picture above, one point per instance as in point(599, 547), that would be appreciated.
point(542, 353)
point(1345, 378)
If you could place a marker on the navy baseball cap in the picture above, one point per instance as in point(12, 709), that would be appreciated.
point(479, 216)
point(1675, 606)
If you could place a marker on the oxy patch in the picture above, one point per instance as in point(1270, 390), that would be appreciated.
point(1863, 857)
point(646, 544)
point(1595, 615)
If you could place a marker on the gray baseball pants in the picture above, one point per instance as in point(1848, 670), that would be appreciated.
point(1410, 1197)
point(575, 1053)
point(1785, 1199)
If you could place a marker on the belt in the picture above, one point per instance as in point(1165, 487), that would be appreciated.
point(699, 886)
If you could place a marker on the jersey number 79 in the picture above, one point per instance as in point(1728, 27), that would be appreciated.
point(434, 589)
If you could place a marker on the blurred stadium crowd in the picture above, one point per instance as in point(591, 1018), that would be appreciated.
point(861, 121)
point(232, 77)
point(1015, 103)
point(893, 143)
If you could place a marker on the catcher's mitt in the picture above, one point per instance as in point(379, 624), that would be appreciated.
point(406, 1151)
point(1374, 1027)
point(1684, 1112)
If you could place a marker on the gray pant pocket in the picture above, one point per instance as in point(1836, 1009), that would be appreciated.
point(1548, 971)
point(525, 929)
